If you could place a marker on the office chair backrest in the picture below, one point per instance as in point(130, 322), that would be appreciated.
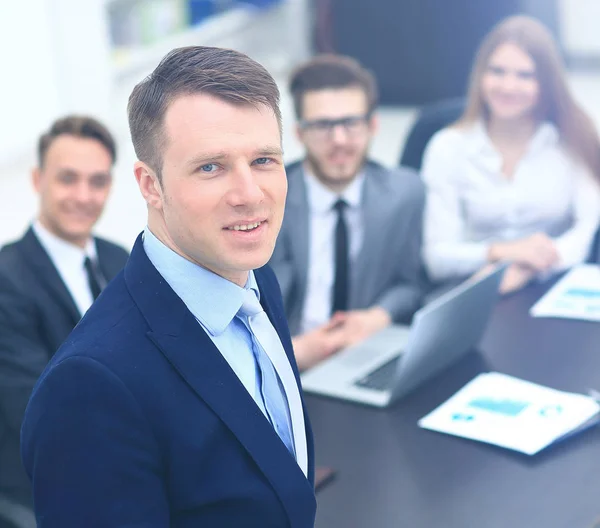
point(432, 118)
point(594, 256)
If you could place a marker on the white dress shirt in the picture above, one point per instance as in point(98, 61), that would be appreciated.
point(69, 261)
point(471, 203)
point(321, 255)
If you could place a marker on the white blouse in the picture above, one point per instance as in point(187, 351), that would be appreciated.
point(471, 204)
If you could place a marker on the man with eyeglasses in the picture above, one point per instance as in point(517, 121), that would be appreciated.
point(347, 256)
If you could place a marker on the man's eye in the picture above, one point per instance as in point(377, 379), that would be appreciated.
point(352, 122)
point(263, 161)
point(99, 183)
point(324, 125)
point(67, 179)
point(209, 167)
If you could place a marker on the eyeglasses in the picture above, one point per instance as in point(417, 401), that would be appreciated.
point(323, 128)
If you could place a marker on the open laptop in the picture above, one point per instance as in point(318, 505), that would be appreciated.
point(395, 361)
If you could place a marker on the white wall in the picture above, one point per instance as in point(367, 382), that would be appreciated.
point(29, 85)
point(579, 24)
point(82, 56)
point(54, 55)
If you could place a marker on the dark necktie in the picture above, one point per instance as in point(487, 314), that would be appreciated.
point(95, 280)
point(341, 278)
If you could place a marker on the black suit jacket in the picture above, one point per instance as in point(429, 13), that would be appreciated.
point(37, 313)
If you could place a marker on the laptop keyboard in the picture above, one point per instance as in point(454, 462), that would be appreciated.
point(381, 378)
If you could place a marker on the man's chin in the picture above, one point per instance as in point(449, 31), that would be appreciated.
point(255, 261)
point(237, 269)
point(248, 258)
point(339, 177)
point(343, 172)
point(76, 235)
point(336, 174)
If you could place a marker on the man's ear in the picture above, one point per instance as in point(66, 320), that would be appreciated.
point(374, 123)
point(149, 185)
point(36, 179)
point(298, 130)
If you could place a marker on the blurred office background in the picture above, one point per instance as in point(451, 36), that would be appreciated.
point(65, 56)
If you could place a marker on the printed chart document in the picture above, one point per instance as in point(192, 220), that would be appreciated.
point(575, 296)
point(512, 413)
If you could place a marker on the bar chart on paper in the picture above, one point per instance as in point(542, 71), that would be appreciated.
point(575, 296)
point(512, 413)
point(506, 407)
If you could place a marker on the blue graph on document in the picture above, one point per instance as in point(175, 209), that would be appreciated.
point(504, 406)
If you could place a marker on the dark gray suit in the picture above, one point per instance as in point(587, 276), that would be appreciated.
point(37, 313)
point(387, 270)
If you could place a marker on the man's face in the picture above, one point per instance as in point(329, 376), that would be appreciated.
point(223, 190)
point(73, 185)
point(336, 131)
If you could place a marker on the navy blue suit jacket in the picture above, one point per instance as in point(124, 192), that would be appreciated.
point(139, 421)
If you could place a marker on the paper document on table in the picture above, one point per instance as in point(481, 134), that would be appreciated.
point(512, 413)
point(575, 296)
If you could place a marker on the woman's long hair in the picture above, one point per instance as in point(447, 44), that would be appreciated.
point(556, 104)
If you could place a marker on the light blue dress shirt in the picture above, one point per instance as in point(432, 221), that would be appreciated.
point(214, 302)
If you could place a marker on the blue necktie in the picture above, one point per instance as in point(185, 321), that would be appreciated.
point(272, 389)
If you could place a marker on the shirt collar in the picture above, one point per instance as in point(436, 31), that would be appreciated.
point(321, 198)
point(213, 300)
point(545, 135)
point(62, 251)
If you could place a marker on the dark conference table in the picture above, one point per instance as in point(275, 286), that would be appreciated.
point(393, 474)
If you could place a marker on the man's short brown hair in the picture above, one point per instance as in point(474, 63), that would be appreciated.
point(79, 126)
point(329, 71)
point(226, 74)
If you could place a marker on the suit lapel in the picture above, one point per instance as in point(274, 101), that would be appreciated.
point(375, 213)
point(40, 261)
point(297, 224)
point(198, 361)
point(296, 405)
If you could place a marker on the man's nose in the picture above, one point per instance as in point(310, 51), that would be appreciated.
point(83, 192)
point(339, 134)
point(245, 188)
